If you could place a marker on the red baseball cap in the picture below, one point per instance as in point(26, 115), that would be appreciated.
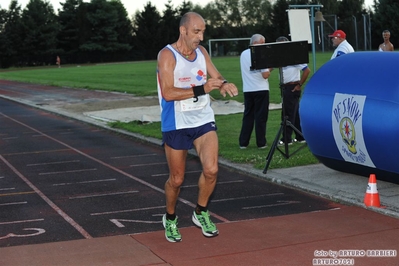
point(338, 33)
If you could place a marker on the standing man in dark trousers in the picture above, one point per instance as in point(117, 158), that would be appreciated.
point(292, 83)
point(188, 121)
point(256, 98)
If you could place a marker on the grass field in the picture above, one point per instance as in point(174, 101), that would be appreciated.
point(139, 78)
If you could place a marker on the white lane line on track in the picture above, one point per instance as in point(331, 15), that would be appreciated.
point(218, 183)
point(47, 200)
point(85, 182)
point(146, 164)
point(132, 156)
point(7, 188)
point(188, 172)
point(280, 203)
point(13, 203)
point(193, 205)
point(22, 221)
point(248, 197)
point(103, 195)
point(129, 210)
point(51, 163)
point(10, 138)
point(68, 172)
point(34, 152)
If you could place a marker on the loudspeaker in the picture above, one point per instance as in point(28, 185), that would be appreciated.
point(279, 54)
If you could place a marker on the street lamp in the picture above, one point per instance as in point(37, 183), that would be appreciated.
point(312, 20)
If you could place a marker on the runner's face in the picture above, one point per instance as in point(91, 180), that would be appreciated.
point(195, 32)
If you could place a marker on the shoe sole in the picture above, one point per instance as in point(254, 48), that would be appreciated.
point(283, 144)
point(198, 224)
point(164, 226)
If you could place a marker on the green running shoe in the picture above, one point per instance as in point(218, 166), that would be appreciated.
point(172, 233)
point(204, 222)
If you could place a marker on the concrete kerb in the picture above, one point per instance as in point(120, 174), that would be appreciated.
point(273, 175)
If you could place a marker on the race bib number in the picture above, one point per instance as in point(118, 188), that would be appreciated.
point(190, 105)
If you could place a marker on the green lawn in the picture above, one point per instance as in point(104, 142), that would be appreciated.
point(139, 78)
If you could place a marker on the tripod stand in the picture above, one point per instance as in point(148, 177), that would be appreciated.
point(283, 128)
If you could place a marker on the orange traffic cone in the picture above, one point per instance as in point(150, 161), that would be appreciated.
point(372, 198)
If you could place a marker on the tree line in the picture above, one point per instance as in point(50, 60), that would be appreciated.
point(101, 30)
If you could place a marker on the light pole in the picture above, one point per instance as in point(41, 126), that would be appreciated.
point(332, 28)
point(355, 25)
point(311, 27)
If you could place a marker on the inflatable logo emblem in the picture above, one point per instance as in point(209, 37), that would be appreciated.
point(347, 124)
point(348, 133)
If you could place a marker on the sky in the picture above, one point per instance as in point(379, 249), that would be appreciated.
point(131, 5)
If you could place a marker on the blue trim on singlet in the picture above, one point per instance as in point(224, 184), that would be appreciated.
point(168, 108)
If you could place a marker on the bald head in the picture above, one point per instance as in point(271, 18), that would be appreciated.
point(186, 18)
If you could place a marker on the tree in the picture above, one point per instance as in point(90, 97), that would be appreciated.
point(170, 24)
point(229, 18)
point(347, 8)
point(257, 14)
point(279, 19)
point(10, 37)
point(329, 7)
point(39, 33)
point(185, 7)
point(3, 40)
point(123, 26)
point(72, 26)
point(103, 41)
point(147, 38)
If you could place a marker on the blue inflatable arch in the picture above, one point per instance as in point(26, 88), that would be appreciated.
point(350, 114)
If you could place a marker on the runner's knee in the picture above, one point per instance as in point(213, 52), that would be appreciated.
point(175, 181)
point(211, 172)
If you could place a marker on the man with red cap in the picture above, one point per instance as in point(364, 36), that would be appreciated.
point(339, 40)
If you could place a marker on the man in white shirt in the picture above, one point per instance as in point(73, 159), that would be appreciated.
point(339, 40)
point(256, 98)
